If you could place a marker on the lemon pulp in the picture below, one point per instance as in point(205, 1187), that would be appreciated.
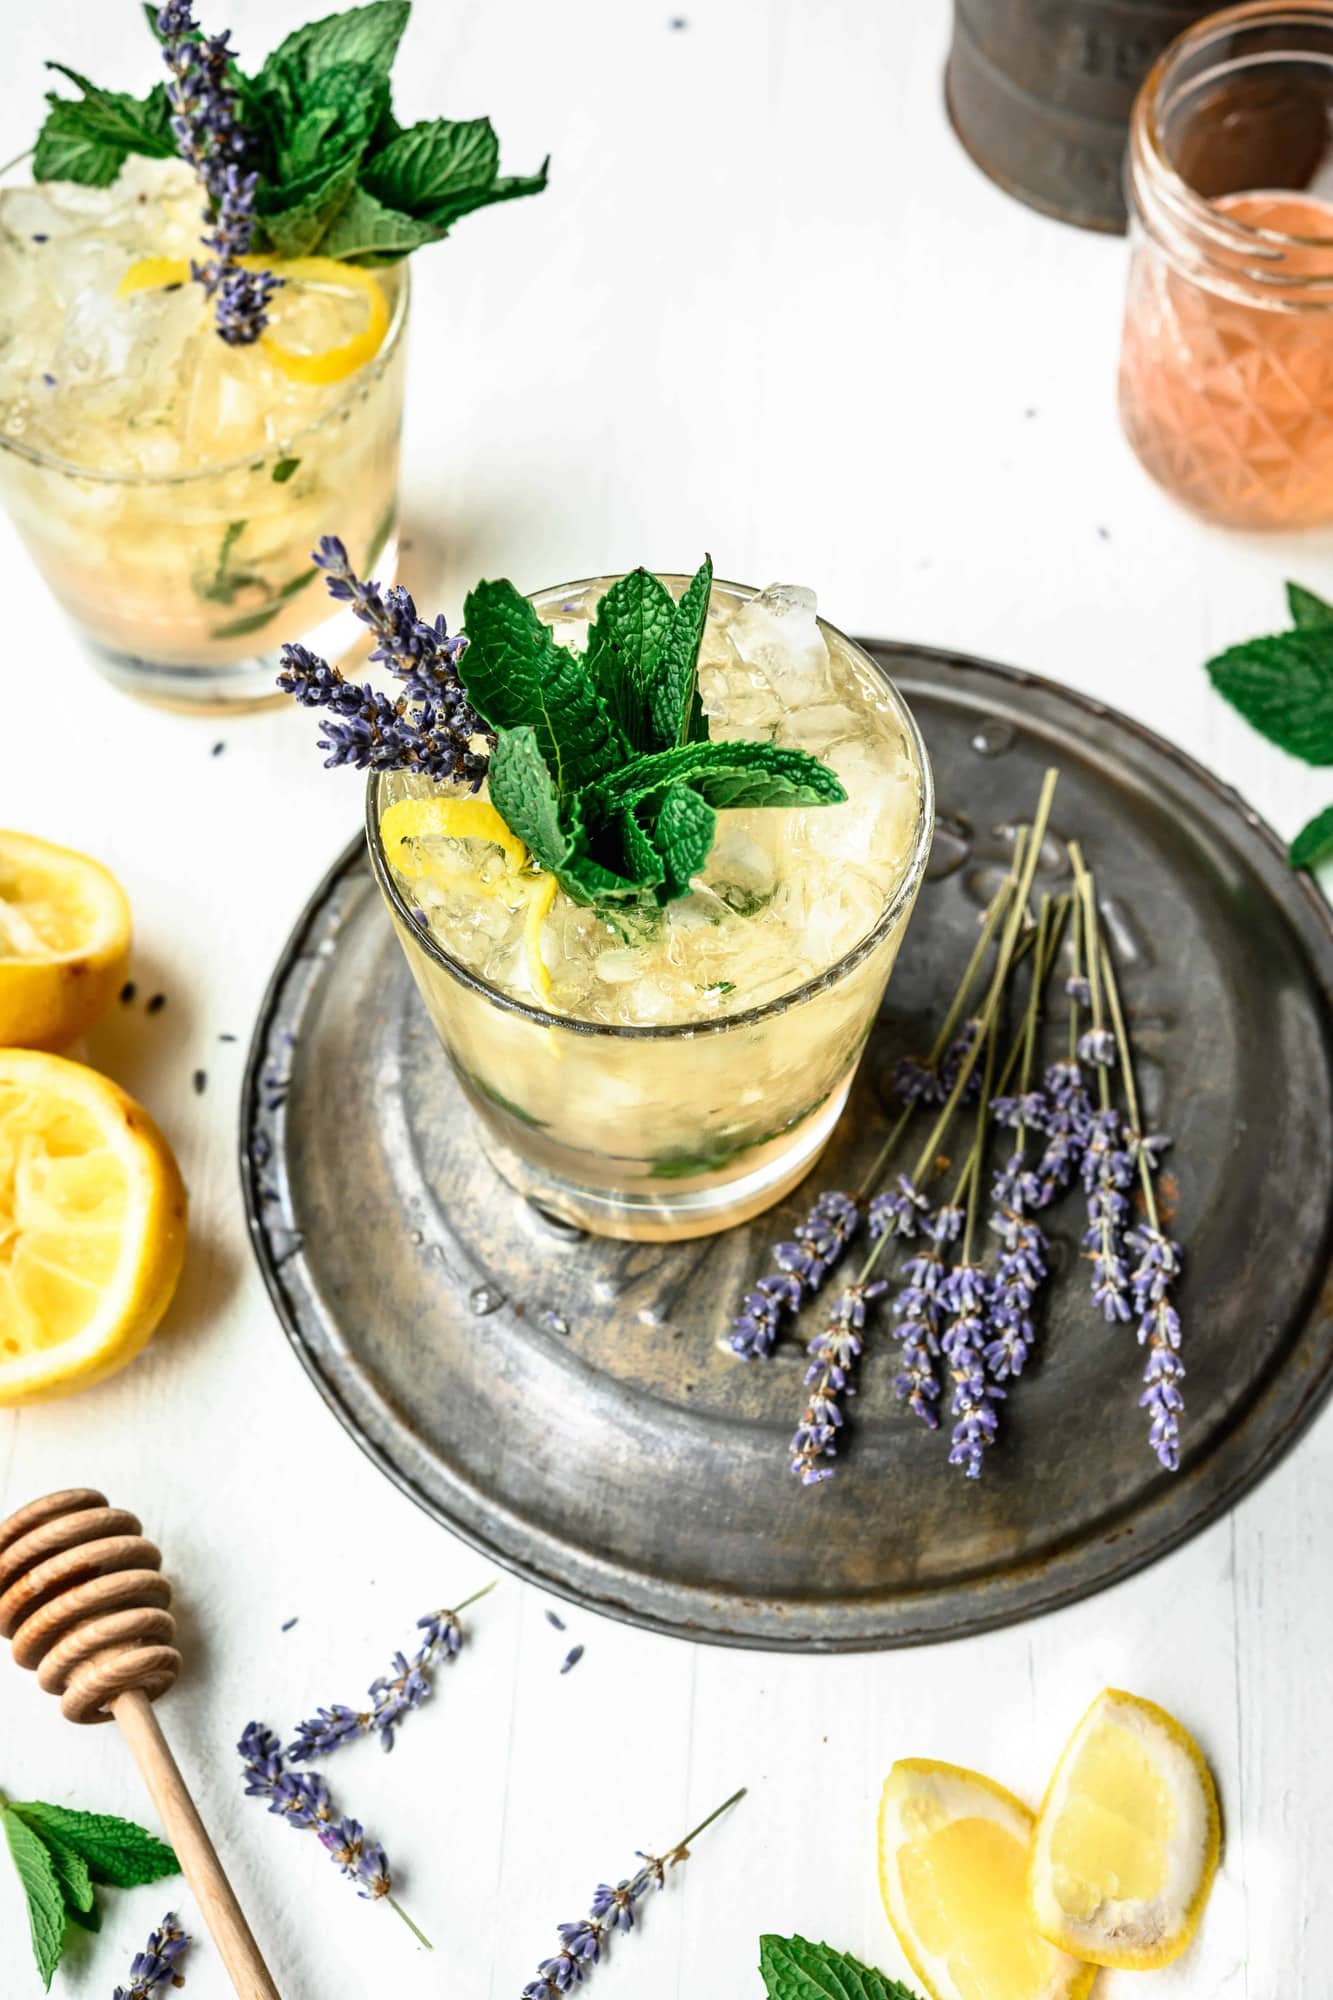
point(1114, 1832)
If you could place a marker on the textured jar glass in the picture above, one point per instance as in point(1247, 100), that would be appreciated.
point(1226, 369)
point(187, 586)
point(670, 1131)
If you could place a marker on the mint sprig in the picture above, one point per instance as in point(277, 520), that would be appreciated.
point(1283, 685)
point(338, 175)
point(602, 763)
point(60, 1853)
point(795, 1969)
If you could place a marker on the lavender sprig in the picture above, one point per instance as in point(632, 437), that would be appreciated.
point(431, 728)
point(302, 1799)
point(833, 1355)
point(211, 139)
point(583, 1945)
point(393, 1695)
point(802, 1263)
point(966, 1295)
point(156, 1965)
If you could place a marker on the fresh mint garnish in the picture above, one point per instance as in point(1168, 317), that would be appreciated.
point(795, 1969)
point(60, 1853)
point(1314, 842)
point(337, 175)
point(607, 822)
point(1308, 612)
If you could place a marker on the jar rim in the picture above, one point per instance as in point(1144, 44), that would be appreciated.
point(897, 902)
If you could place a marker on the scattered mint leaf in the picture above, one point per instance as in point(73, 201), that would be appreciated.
point(795, 1969)
point(284, 469)
point(115, 1850)
point(1284, 686)
point(625, 645)
point(683, 836)
point(368, 35)
point(41, 1886)
point(673, 696)
point(76, 1883)
point(726, 775)
point(1314, 842)
point(515, 673)
point(1308, 612)
point(89, 139)
point(365, 230)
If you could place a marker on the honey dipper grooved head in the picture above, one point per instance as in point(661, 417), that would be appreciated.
point(83, 1601)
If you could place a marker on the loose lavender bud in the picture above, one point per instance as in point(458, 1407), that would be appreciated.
point(833, 1355)
point(1152, 1280)
point(156, 1965)
point(802, 1265)
point(362, 1861)
point(392, 1696)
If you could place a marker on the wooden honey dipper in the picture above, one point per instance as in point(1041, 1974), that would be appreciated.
point(83, 1599)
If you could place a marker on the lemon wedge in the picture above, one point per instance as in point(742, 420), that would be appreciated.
point(304, 280)
point(409, 825)
point(64, 942)
point(1127, 1840)
point(92, 1226)
point(953, 1856)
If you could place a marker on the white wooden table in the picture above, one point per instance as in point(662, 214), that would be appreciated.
point(766, 308)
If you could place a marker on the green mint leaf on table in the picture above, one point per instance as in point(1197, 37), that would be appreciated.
point(89, 139)
point(674, 706)
point(1308, 612)
point(1284, 686)
point(41, 1887)
point(516, 674)
point(795, 1969)
point(116, 1851)
point(1314, 842)
point(625, 645)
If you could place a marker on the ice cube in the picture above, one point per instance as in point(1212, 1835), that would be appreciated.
point(778, 634)
point(739, 858)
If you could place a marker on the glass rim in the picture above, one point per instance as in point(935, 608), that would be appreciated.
point(109, 476)
point(903, 894)
point(1159, 185)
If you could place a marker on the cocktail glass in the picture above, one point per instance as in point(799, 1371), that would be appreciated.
point(665, 1130)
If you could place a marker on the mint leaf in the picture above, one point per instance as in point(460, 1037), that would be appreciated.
point(76, 1884)
point(365, 229)
point(795, 1969)
point(625, 645)
point(515, 673)
point(442, 169)
point(302, 228)
point(362, 35)
point(116, 1850)
point(284, 469)
point(726, 775)
point(523, 793)
point(673, 696)
point(586, 877)
point(683, 837)
point(41, 1886)
point(88, 139)
point(1308, 612)
point(1314, 842)
point(1284, 686)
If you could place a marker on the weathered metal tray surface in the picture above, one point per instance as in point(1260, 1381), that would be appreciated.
point(569, 1405)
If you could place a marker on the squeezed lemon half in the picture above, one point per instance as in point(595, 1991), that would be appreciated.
point(300, 276)
point(1127, 1840)
point(953, 1858)
point(92, 1226)
point(64, 942)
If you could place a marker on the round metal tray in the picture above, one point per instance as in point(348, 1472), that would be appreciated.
point(569, 1404)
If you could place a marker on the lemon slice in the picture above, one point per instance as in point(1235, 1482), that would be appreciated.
point(1127, 1840)
point(304, 281)
point(953, 1856)
point(64, 942)
point(409, 825)
point(92, 1226)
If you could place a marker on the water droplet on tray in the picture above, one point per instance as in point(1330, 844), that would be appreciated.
point(417, 1237)
point(950, 848)
point(555, 1322)
point(483, 1299)
point(993, 738)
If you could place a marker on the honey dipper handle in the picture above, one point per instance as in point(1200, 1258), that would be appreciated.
point(195, 1851)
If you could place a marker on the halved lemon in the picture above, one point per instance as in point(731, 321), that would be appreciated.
point(318, 295)
point(409, 826)
point(64, 942)
point(92, 1226)
point(953, 1856)
point(1127, 1839)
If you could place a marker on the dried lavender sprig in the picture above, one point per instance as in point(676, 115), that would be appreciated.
point(966, 1295)
point(1107, 1168)
point(393, 1695)
point(1159, 1261)
point(802, 1265)
point(302, 1799)
point(212, 141)
point(833, 1355)
point(156, 1965)
point(583, 1945)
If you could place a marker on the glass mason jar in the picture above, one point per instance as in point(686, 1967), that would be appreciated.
point(187, 585)
point(1226, 368)
point(662, 1132)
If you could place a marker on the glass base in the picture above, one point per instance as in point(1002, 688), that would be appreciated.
point(226, 687)
point(663, 1213)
